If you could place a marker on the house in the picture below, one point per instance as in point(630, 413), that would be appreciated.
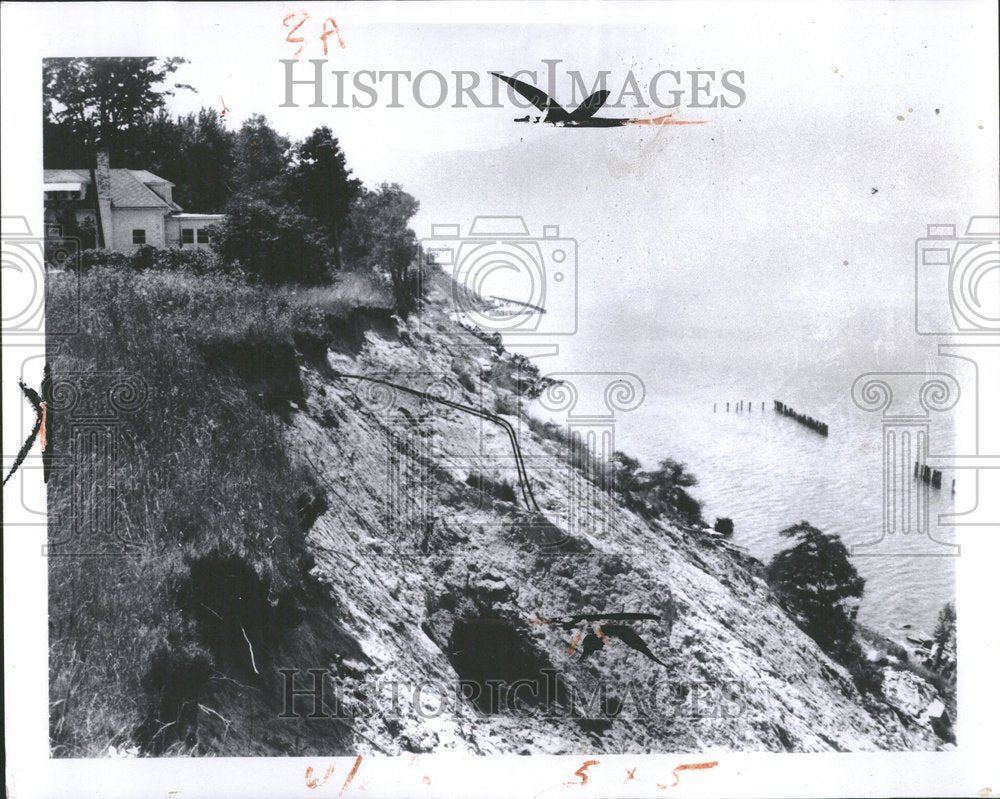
point(136, 208)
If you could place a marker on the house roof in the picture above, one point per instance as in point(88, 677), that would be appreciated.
point(147, 177)
point(129, 187)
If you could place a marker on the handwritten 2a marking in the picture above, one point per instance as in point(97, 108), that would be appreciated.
point(297, 19)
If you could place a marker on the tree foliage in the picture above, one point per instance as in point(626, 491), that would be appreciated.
point(104, 99)
point(319, 182)
point(659, 492)
point(261, 157)
point(818, 585)
point(380, 239)
point(273, 244)
point(945, 633)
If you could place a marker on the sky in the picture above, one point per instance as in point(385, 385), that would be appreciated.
point(778, 231)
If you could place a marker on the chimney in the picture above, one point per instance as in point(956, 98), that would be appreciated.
point(102, 180)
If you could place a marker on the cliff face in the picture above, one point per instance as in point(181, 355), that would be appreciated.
point(447, 586)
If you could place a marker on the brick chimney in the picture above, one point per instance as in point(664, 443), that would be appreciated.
point(102, 179)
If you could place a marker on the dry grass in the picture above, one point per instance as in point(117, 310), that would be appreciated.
point(200, 473)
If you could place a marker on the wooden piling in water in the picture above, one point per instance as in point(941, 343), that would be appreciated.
point(813, 424)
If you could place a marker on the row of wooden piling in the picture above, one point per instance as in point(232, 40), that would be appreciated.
point(813, 424)
point(738, 407)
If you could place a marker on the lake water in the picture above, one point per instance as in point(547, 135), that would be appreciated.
point(767, 471)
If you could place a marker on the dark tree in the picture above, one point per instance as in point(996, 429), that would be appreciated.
point(818, 585)
point(194, 151)
point(320, 184)
point(261, 157)
point(944, 632)
point(666, 488)
point(98, 102)
point(273, 244)
point(380, 239)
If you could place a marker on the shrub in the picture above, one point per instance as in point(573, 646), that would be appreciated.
point(818, 585)
point(724, 525)
point(500, 489)
point(90, 259)
point(273, 245)
point(147, 257)
point(867, 676)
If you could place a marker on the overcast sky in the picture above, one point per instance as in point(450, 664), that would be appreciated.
point(779, 221)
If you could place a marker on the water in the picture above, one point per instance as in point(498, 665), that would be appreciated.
point(768, 472)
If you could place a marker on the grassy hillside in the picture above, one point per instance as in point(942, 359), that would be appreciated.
point(202, 579)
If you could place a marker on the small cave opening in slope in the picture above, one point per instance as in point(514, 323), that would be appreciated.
point(499, 669)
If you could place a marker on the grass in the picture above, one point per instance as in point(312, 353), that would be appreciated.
point(209, 510)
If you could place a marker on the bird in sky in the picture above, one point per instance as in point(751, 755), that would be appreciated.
point(583, 115)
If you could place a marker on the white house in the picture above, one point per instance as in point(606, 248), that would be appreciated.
point(136, 208)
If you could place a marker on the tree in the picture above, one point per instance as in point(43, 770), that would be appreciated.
point(99, 101)
point(261, 157)
point(944, 632)
point(275, 245)
point(380, 239)
point(818, 585)
point(666, 488)
point(195, 152)
point(320, 183)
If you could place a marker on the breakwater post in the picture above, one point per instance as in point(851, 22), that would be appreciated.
point(813, 424)
point(931, 477)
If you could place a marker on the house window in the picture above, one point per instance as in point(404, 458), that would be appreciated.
point(203, 235)
point(187, 235)
point(138, 236)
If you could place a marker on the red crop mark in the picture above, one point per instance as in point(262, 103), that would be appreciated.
point(666, 119)
point(573, 644)
point(314, 782)
point(630, 772)
point(582, 772)
point(687, 767)
point(296, 39)
point(328, 31)
point(42, 441)
point(350, 775)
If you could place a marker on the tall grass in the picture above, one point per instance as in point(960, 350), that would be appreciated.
point(200, 475)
